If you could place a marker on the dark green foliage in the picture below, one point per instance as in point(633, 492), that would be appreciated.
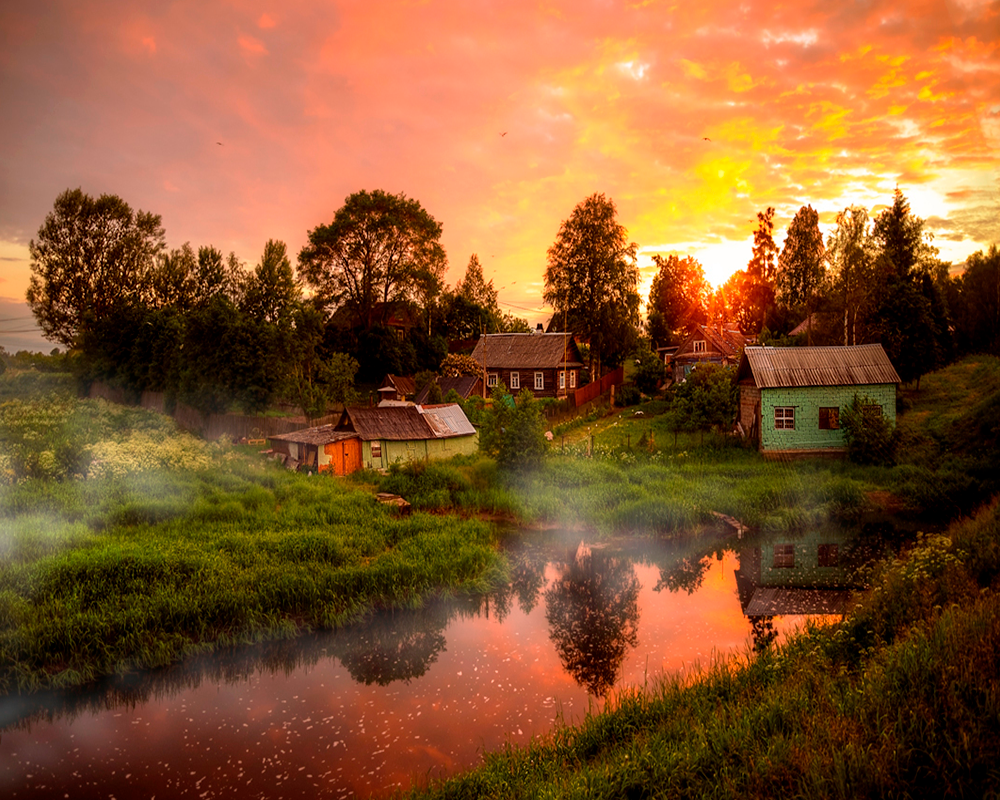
point(649, 368)
point(870, 436)
point(514, 432)
point(709, 398)
point(627, 394)
point(678, 298)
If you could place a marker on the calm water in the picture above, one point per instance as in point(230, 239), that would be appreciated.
point(406, 697)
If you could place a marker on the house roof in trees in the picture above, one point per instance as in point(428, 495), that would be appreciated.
point(465, 385)
point(728, 341)
point(398, 384)
point(527, 351)
point(774, 367)
point(405, 423)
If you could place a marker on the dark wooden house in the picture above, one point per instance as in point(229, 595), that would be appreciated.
point(548, 364)
point(704, 345)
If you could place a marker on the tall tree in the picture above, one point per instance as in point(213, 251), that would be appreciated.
point(271, 290)
point(475, 288)
point(376, 252)
point(850, 251)
point(592, 280)
point(802, 265)
point(756, 298)
point(678, 298)
point(977, 303)
point(91, 257)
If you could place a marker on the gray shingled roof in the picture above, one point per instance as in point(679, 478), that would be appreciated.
point(323, 434)
point(526, 350)
point(773, 367)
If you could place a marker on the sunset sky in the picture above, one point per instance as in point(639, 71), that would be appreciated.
point(243, 121)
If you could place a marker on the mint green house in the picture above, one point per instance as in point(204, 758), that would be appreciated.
point(791, 397)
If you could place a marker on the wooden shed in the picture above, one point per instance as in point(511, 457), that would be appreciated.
point(378, 437)
point(791, 397)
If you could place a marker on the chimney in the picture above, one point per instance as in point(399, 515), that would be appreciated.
point(538, 328)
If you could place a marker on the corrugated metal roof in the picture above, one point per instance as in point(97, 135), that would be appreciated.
point(526, 350)
point(773, 367)
point(450, 416)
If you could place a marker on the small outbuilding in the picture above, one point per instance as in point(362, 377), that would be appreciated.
point(378, 437)
point(791, 398)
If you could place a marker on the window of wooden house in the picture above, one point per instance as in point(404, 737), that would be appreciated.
point(572, 379)
point(871, 411)
point(829, 555)
point(491, 379)
point(376, 450)
point(539, 380)
point(562, 379)
point(784, 555)
point(699, 346)
point(829, 419)
point(515, 380)
point(784, 418)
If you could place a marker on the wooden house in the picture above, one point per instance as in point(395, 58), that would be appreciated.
point(378, 437)
point(791, 397)
point(546, 363)
point(704, 345)
point(396, 388)
point(464, 385)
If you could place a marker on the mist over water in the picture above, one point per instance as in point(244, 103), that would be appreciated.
point(406, 697)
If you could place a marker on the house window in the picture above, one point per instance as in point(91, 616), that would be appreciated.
point(539, 380)
point(871, 411)
point(562, 380)
point(699, 345)
point(376, 450)
point(491, 379)
point(828, 555)
point(829, 419)
point(572, 379)
point(784, 555)
point(515, 380)
point(784, 418)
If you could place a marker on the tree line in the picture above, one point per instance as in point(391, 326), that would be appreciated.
point(368, 298)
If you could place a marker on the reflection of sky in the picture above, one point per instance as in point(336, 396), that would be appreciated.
point(317, 732)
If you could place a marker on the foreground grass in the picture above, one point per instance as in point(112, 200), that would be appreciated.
point(163, 546)
point(901, 699)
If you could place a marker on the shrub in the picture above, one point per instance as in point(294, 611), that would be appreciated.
point(871, 438)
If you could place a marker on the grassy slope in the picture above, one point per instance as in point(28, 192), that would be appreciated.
point(900, 699)
point(170, 545)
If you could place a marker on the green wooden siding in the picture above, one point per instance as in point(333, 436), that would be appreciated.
point(807, 402)
point(418, 450)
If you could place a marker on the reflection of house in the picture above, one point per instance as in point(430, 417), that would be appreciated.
point(377, 437)
point(396, 388)
point(704, 345)
point(806, 574)
point(465, 386)
point(546, 363)
point(791, 397)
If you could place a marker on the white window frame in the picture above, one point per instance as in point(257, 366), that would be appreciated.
point(784, 418)
point(572, 379)
point(515, 380)
point(491, 379)
point(699, 346)
point(539, 381)
point(562, 380)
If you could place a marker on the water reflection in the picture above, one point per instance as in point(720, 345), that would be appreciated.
point(411, 693)
point(593, 613)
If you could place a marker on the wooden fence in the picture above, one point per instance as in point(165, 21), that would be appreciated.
point(212, 426)
point(585, 394)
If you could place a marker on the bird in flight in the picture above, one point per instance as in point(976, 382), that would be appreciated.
point(504, 133)
point(706, 139)
point(220, 144)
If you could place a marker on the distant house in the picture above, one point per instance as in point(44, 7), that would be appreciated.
point(791, 397)
point(378, 437)
point(546, 363)
point(704, 345)
point(465, 386)
point(397, 388)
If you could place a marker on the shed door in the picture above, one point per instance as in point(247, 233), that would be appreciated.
point(351, 455)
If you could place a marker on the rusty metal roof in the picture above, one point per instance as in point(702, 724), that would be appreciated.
point(527, 351)
point(773, 367)
point(405, 423)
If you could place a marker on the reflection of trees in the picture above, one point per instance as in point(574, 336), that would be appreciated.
point(684, 573)
point(593, 614)
point(762, 632)
point(527, 579)
point(397, 646)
